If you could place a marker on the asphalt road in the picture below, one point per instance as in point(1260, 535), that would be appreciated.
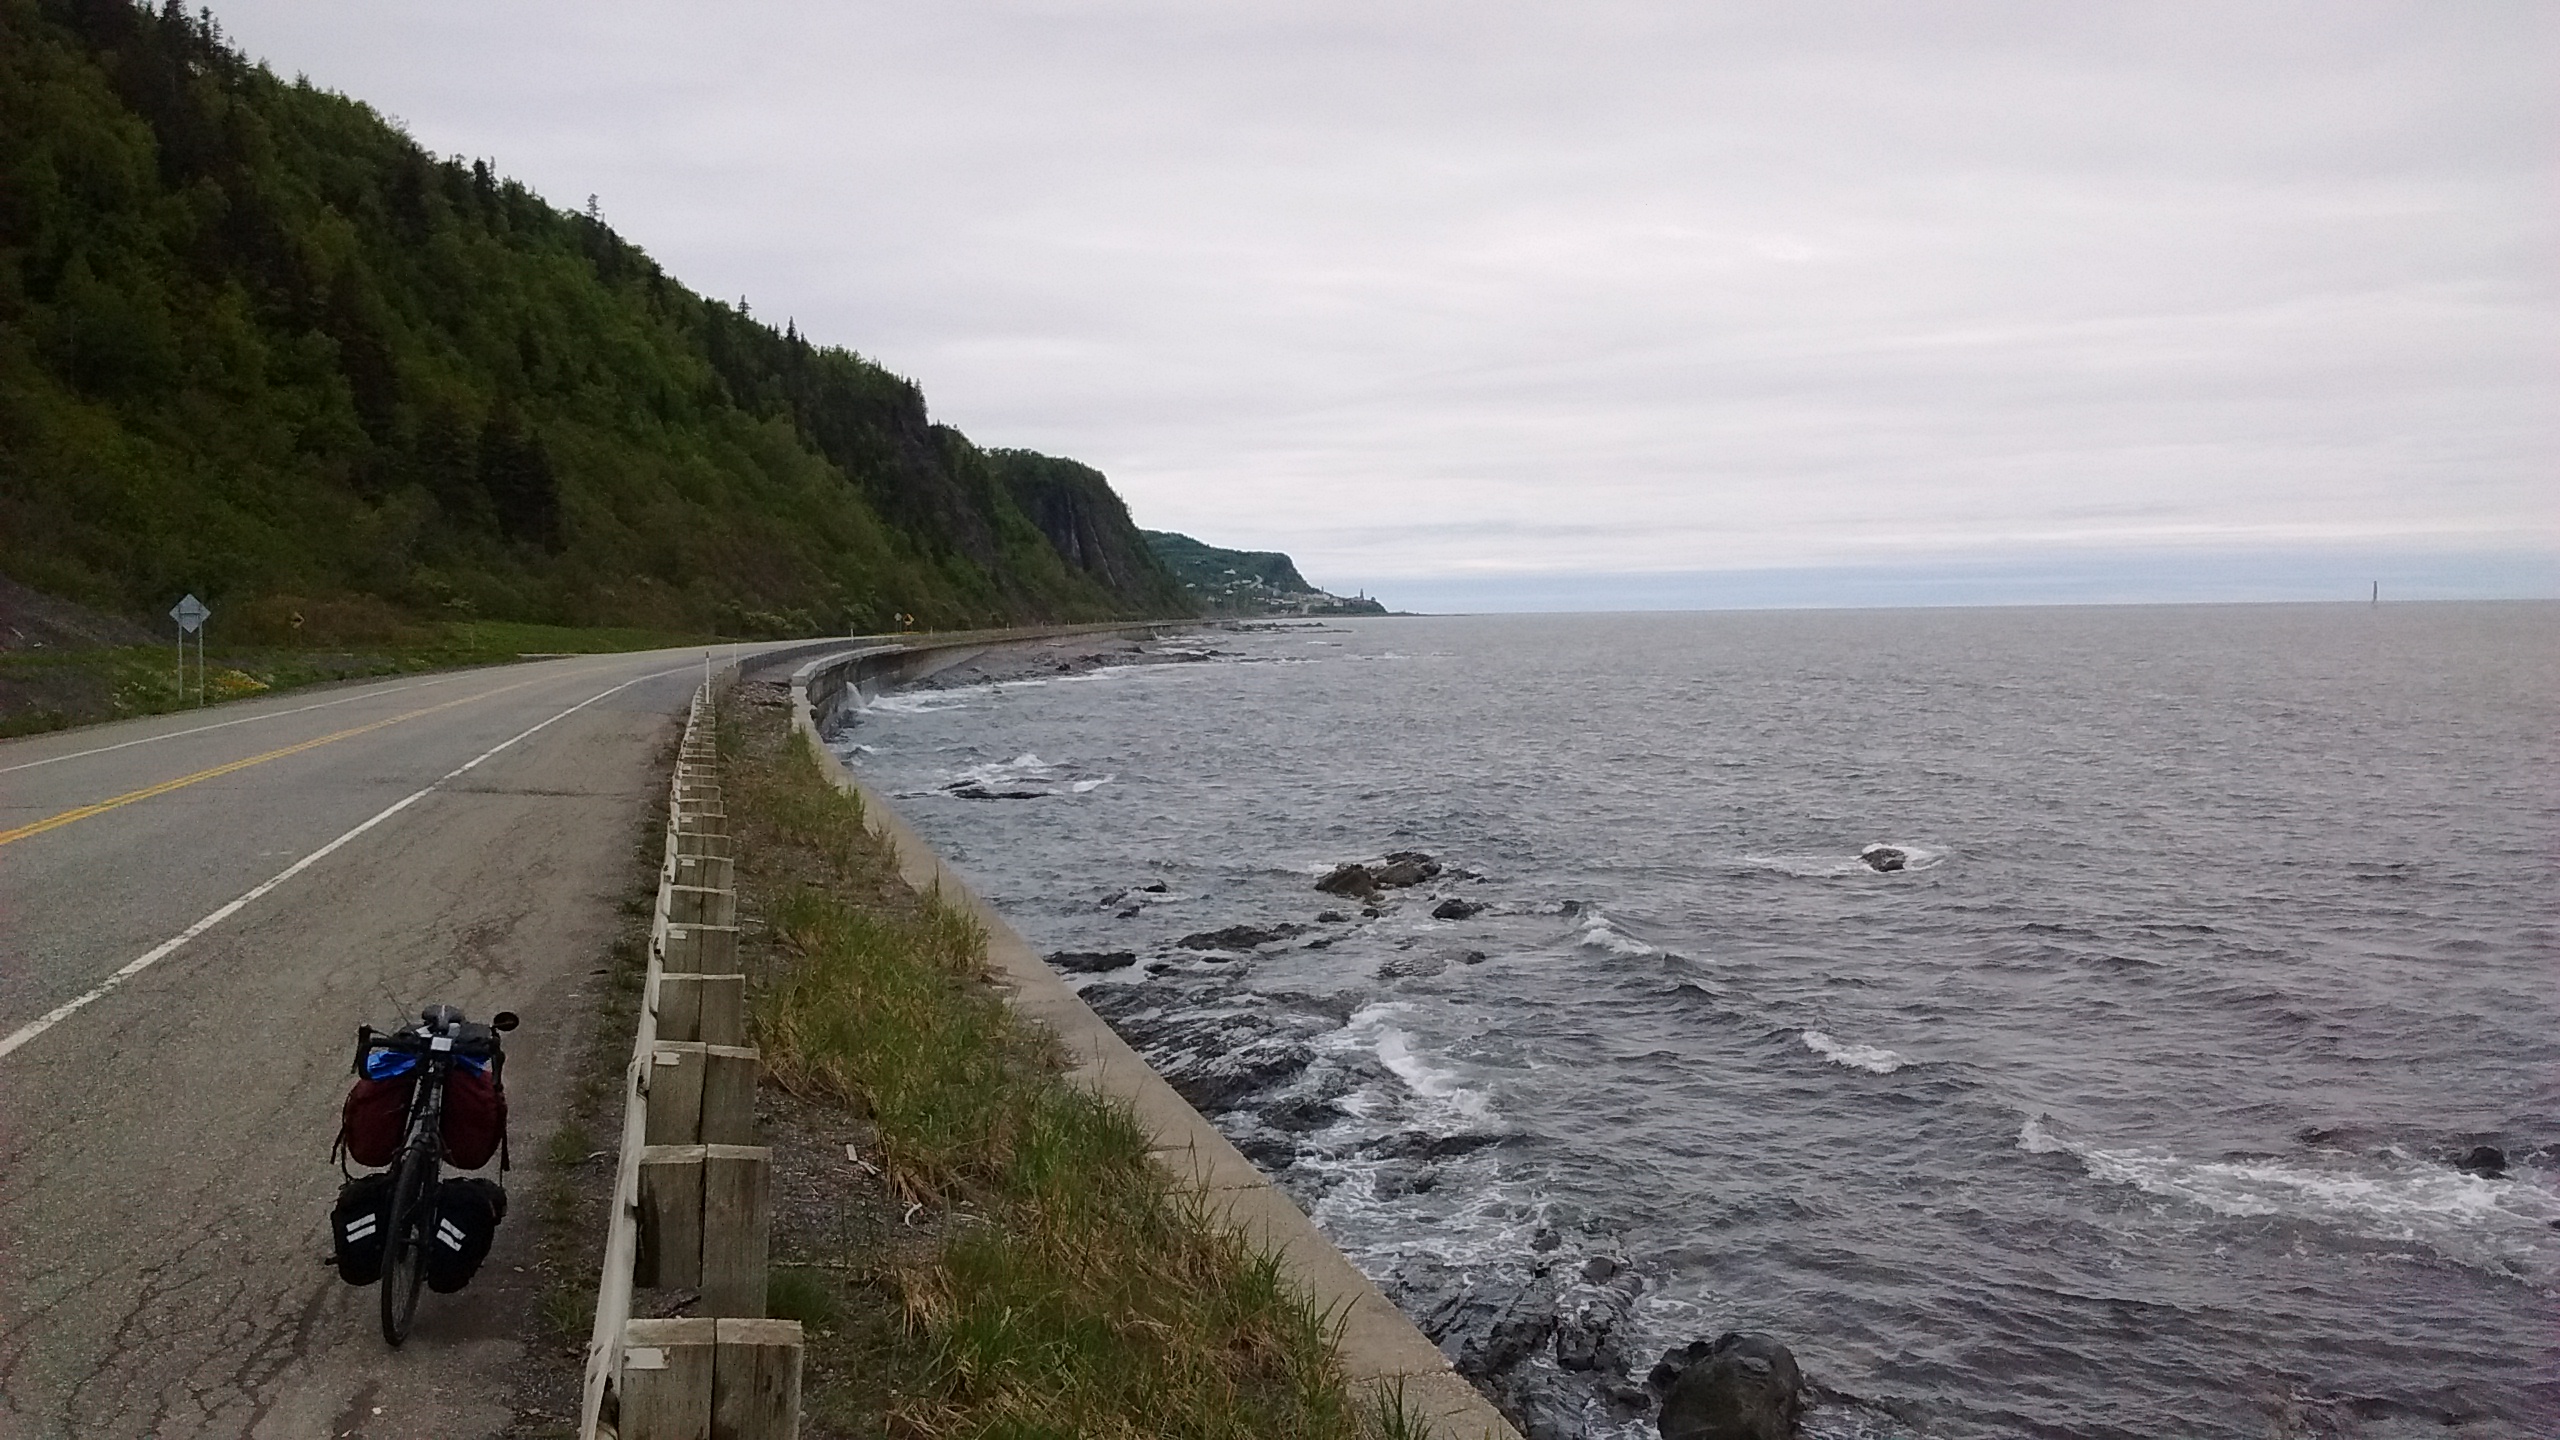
point(195, 912)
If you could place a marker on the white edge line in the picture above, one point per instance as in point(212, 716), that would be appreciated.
point(165, 948)
point(225, 724)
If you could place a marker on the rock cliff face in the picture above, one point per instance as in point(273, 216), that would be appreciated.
point(1089, 526)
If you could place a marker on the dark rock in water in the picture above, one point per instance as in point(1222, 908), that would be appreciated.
point(1468, 957)
point(1626, 1401)
point(1337, 1006)
point(1592, 1318)
point(1371, 912)
point(1217, 1078)
point(1546, 1241)
point(1491, 1326)
point(1742, 1387)
point(1498, 1329)
point(1302, 1113)
point(1156, 888)
point(1114, 1000)
point(1456, 909)
point(1266, 1150)
point(1355, 881)
point(1413, 857)
point(1240, 937)
point(1393, 1181)
point(2486, 1161)
point(1330, 917)
point(1413, 967)
point(1423, 1145)
point(1399, 874)
point(1092, 962)
point(975, 791)
point(1886, 858)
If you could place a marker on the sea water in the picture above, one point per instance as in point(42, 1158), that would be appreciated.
point(2128, 1108)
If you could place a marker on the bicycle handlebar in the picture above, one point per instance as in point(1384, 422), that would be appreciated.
point(415, 1044)
point(409, 1042)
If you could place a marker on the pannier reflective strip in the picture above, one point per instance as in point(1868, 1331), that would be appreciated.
point(360, 1227)
point(450, 1234)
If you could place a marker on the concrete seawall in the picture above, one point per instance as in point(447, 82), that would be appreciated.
point(1379, 1345)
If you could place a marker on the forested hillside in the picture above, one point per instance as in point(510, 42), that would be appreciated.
point(257, 344)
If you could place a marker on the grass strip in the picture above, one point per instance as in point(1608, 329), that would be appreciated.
point(1027, 1270)
point(49, 690)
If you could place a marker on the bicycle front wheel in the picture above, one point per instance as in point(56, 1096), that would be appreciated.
point(404, 1256)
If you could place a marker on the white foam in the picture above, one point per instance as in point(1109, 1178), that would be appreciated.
point(1599, 933)
point(1083, 787)
point(1025, 766)
point(2499, 1225)
point(919, 702)
point(1857, 1057)
point(1425, 1075)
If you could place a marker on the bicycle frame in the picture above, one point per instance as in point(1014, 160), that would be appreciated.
point(412, 1216)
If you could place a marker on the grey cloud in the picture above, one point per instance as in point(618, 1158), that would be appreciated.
point(1471, 289)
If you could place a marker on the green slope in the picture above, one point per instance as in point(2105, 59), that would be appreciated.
point(257, 344)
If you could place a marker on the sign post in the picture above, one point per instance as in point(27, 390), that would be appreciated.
point(191, 613)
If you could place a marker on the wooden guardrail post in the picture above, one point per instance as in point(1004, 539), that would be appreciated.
point(756, 1377)
point(668, 1376)
point(670, 1217)
point(700, 949)
point(711, 1379)
point(705, 1219)
point(737, 1224)
point(709, 1008)
point(729, 1095)
point(675, 1093)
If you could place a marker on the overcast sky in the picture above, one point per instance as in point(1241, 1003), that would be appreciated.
point(1553, 305)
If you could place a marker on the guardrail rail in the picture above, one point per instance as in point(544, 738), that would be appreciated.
point(691, 1189)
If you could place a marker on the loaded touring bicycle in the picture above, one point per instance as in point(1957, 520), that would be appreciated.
point(428, 1096)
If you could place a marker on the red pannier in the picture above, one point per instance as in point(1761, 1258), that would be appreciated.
point(375, 1118)
point(475, 1117)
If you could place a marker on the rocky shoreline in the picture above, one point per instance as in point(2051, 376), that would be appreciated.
point(1548, 1335)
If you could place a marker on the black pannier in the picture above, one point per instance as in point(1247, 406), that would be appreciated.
point(356, 1227)
point(467, 1216)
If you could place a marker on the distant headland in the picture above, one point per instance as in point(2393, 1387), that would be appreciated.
point(1247, 582)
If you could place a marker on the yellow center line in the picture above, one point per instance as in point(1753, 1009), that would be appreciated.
point(55, 822)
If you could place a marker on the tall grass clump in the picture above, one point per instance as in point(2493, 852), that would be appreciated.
point(1071, 1286)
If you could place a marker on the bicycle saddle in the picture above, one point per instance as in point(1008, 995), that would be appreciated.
point(440, 1018)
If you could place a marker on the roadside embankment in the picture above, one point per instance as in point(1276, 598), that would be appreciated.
point(975, 1246)
point(1378, 1348)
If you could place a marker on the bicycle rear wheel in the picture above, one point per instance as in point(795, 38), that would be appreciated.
point(404, 1256)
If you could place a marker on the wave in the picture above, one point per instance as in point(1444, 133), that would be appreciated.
point(1427, 1076)
point(1857, 1057)
point(929, 698)
point(1599, 932)
point(948, 698)
point(2506, 1227)
point(1024, 777)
